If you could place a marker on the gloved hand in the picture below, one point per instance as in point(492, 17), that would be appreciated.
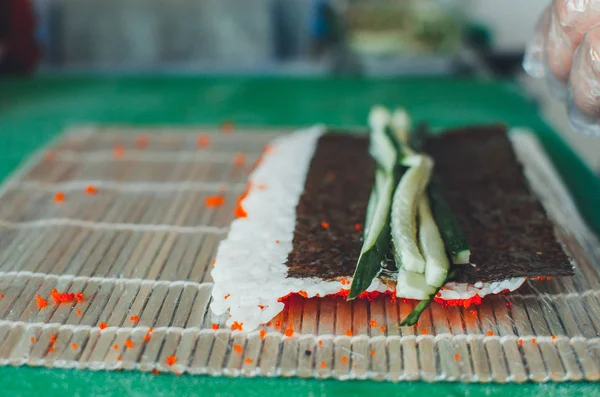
point(566, 51)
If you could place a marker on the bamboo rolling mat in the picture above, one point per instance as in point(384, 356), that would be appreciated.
point(140, 249)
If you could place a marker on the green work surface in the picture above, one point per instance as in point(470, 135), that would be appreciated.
point(32, 111)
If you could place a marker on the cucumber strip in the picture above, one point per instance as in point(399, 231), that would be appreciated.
point(404, 214)
point(401, 124)
point(377, 240)
point(412, 285)
point(413, 316)
point(432, 246)
point(381, 147)
point(450, 231)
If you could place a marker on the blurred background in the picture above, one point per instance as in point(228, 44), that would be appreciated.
point(372, 38)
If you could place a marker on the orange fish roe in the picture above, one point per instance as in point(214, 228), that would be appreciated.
point(466, 303)
point(357, 227)
point(373, 323)
point(303, 294)
point(320, 343)
point(490, 333)
point(520, 341)
point(473, 313)
point(79, 297)
point(325, 225)
point(227, 296)
point(383, 328)
point(118, 151)
point(215, 326)
point(240, 212)
point(262, 334)
point(214, 201)
point(116, 347)
point(150, 330)
point(53, 338)
point(508, 305)
point(344, 359)
point(64, 297)
point(261, 307)
point(91, 190)
point(239, 159)
point(533, 340)
point(32, 339)
point(424, 331)
point(119, 358)
point(289, 332)
point(276, 241)
point(129, 343)
point(59, 197)
point(226, 127)
point(457, 357)
point(155, 371)
point(142, 141)
point(1, 296)
point(372, 352)
point(553, 337)
point(102, 325)
point(171, 360)
point(51, 349)
point(41, 302)
point(323, 364)
point(349, 332)
point(147, 337)
point(134, 318)
point(238, 348)
point(237, 326)
point(278, 323)
point(78, 312)
point(203, 141)
point(74, 346)
point(248, 360)
point(262, 187)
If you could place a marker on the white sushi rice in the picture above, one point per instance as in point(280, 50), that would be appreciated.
point(250, 265)
point(250, 275)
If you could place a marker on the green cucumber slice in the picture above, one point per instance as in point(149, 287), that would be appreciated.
point(454, 239)
point(432, 246)
point(381, 147)
point(412, 285)
point(377, 238)
point(404, 216)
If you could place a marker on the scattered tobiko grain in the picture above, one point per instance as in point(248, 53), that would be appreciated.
point(51, 349)
point(102, 325)
point(215, 326)
point(134, 318)
point(344, 359)
point(214, 201)
point(79, 297)
point(59, 197)
point(289, 332)
point(457, 357)
point(32, 339)
point(383, 328)
point(203, 141)
point(171, 360)
point(357, 227)
point(91, 190)
point(248, 360)
point(129, 343)
point(142, 141)
point(349, 332)
point(237, 326)
point(62, 297)
point(239, 159)
point(323, 364)
point(74, 346)
point(303, 294)
point(238, 348)
point(372, 352)
point(116, 347)
point(147, 337)
point(41, 302)
point(490, 333)
point(373, 323)
point(325, 225)
point(78, 312)
point(118, 151)
point(262, 334)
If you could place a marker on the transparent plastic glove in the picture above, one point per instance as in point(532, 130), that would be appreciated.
point(565, 50)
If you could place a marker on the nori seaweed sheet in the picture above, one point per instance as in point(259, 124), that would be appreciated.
point(482, 181)
point(507, 229)
point(337, 189)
